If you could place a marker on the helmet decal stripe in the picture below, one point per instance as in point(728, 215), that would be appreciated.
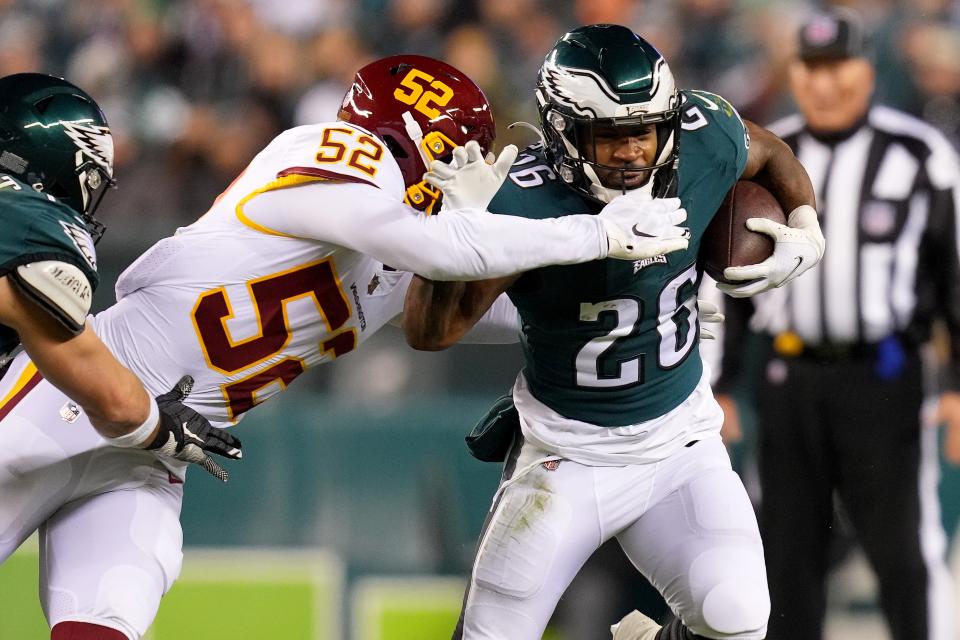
point(95, 142)
point(657, 73)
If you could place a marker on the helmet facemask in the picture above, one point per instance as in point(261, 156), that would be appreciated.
point(573, 141)
point(435, 145)
point(91, 177)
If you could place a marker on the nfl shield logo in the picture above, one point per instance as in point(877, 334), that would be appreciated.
point(877, 219)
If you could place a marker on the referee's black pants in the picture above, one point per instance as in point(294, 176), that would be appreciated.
point(836, 426)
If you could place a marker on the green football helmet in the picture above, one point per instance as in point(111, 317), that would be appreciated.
point(54, 137)
point(605, 75)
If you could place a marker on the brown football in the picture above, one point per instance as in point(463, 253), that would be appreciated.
point(727, 242)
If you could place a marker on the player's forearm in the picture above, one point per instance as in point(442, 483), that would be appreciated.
point(437, 315)
point(432, 315)
point(85, 370)
point(476, 245)
point(773, 164)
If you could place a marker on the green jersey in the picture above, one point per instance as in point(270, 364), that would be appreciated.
point(613, 342)
point(38, 227)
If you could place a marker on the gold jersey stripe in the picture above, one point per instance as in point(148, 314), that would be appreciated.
point(28, 379)
point(283, 182)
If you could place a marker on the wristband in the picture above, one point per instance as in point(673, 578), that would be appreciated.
point(138, 437)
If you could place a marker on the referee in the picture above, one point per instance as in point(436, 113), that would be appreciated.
point(840, 403)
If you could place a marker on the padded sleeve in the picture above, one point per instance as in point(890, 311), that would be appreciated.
point(61, 289)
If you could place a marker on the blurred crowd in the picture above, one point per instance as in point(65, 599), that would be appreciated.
point(194, 88)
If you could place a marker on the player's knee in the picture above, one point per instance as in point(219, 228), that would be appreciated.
point(72, 630)
point(735, 608)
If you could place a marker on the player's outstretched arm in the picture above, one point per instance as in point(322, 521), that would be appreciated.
point(799, 244)
point(466, 243)
point(116, 402)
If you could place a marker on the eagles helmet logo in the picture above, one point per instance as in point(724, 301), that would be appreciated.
point(94, 141)
point(582, 90)
point(587, 93)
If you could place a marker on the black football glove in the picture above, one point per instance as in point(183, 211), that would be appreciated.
point(186, 435)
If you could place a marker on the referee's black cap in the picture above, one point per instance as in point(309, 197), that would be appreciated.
point(832, 35)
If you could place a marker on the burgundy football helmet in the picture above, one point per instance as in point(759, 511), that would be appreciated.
point(422, 109)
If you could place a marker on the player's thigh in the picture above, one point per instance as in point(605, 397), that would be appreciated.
point(542, 530)
point(108, 558)
point(37, 471)
point(699, 545)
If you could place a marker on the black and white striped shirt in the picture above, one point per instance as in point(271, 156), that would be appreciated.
point(888, 196)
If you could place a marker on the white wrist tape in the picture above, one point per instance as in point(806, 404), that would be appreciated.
point(138, 437)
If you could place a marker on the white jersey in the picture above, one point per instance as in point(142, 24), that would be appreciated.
point(284, 271)
point(243, 308)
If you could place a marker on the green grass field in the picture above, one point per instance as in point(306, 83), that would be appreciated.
point(295, 595)
point(251, 594)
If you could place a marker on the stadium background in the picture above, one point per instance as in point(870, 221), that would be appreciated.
point(355, 510)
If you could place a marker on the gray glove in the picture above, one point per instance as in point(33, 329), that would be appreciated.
point(187, 436)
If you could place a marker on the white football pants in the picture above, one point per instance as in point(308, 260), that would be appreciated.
point(685, 522)
point(109, 518)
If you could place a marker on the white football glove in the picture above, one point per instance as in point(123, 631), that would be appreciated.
point(639, 227)
point(469, 181)
point(799, 246)
point(708, 313)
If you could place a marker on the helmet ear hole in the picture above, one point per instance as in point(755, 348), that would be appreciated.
point(395, 147)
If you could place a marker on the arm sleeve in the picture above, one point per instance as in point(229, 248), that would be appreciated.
point(466, 244)
point(499, 325)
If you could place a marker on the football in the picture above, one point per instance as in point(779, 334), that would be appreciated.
point(727, 242)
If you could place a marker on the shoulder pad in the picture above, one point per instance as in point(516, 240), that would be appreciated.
point(61, 288)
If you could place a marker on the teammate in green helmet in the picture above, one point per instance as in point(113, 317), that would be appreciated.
point(56, 139)
point(56, 162)
point(617, 432)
